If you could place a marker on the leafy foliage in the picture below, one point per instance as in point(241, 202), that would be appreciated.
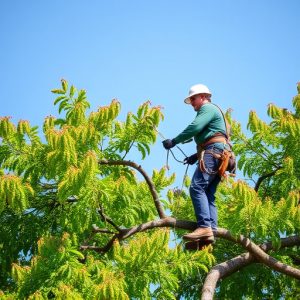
point(55, 197)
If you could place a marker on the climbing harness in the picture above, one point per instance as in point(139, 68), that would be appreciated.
point(227, 157)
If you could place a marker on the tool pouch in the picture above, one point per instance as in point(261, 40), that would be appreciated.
point(232, 164)
point(228, 163)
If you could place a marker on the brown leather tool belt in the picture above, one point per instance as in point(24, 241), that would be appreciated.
point(216, 138)
point(224, 157)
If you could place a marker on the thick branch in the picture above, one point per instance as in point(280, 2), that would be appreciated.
point(225, 269)
point(166, 222)
point(150, 183)
point(256, 253)
point(262, 256)
point(127, 232)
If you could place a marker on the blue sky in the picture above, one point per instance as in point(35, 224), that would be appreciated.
point(246, 52)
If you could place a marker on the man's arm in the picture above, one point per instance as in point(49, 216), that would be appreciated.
point(204, 116)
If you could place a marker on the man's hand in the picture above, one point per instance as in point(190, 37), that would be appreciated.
point(191, 159)
point(168, 144)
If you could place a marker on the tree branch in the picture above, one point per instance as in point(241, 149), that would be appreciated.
point(101, 249)
point(263, 177)
point(150, 183)
point(225, 269)
point(262, 256)
point(96, 229)
point(165, 222)
point(256, 253)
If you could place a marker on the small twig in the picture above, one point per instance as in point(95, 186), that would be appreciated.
point(108, 219)
point(101, 230)
point(104, 249)
point(263, 177)
point(48, 186)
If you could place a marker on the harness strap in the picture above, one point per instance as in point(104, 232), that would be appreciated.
point(227, 125)
point(202, 163)
point(216, 138)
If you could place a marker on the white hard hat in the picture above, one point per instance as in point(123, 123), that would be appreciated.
point(195, 90)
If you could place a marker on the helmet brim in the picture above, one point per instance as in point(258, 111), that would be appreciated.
point(187, 100)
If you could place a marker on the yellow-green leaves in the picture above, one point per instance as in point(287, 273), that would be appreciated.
point(138, 130)
point(75, 107)
point(23, 127)
point(19, 273)
point(296, 103)
point(77, 178)
point(62, 150)
point(6, 127)
point(64, 85)
point(156, 264)
point(257, 125)
point(55, 269)
point(112, 285)
point(274, 111)
point(244, 212)
point(14, 193)
point(285, 120)
point(160, 180)
point(49, 123)
point(103, 118)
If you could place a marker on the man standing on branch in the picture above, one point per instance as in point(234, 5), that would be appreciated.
point(209, 132)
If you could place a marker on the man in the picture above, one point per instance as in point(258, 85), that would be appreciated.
point(209, 132)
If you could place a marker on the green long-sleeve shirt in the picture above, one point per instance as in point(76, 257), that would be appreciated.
point(208, 121)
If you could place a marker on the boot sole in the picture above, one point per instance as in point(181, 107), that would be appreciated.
point(197, 245)
point(209, 237)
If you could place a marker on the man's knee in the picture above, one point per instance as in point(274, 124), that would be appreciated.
point(196, 189)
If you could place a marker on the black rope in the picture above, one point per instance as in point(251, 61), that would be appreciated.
point(180, 161)
point(184, 176)
point(181, 151)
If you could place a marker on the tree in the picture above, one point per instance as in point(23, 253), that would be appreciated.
point(80, 221)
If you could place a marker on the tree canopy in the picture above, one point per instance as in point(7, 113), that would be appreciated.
point(80, 221)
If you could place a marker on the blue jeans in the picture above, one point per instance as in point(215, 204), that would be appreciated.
point(203, 188)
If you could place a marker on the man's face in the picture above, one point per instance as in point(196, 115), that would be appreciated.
point(197, 101)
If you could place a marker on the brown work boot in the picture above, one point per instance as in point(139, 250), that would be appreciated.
point(200, 233)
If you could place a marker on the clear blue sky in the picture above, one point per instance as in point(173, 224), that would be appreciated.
point(247, 52)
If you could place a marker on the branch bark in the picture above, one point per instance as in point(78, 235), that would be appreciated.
point(225, 269)
point(148, 180)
